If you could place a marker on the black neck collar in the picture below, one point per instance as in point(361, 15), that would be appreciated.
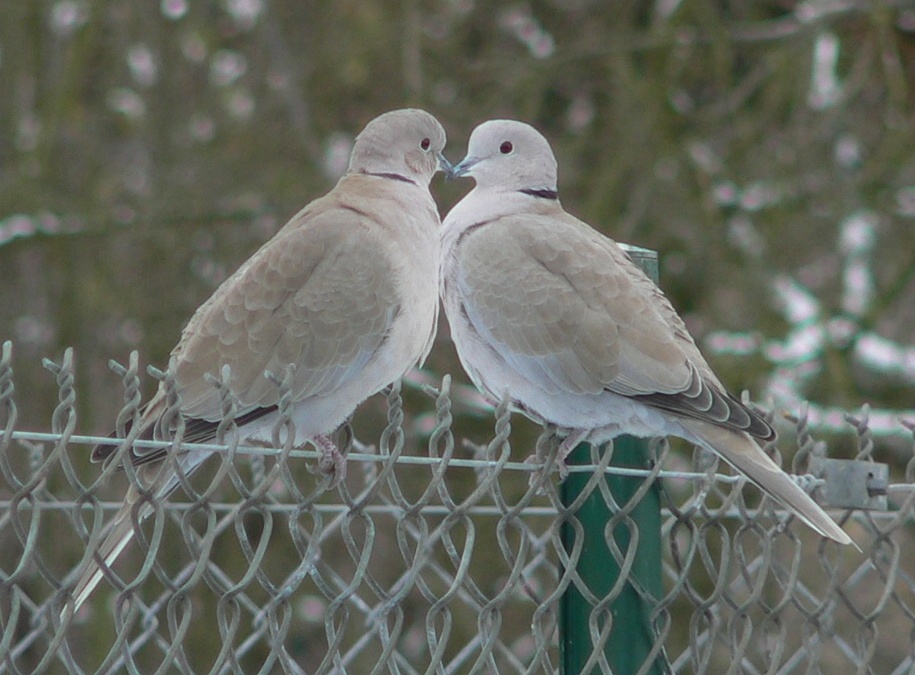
point(391, 176)
point(542, 193)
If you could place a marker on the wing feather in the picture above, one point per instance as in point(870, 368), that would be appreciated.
point(567, 309)
point(314, 296)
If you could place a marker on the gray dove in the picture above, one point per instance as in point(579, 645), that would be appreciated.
point(345, 292)
point(548, 312)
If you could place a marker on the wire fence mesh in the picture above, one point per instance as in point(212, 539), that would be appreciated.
point(433, 556)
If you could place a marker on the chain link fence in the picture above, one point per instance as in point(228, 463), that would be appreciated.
point(439, 556)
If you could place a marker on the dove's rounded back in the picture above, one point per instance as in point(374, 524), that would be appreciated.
point(405, 143)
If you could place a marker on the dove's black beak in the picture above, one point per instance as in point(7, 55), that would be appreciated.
point(446, 167)
point(462, 168)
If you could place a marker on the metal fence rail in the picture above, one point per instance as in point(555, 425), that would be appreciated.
point(431, 558)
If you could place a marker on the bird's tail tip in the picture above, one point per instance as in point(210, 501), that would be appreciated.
point(835, 533)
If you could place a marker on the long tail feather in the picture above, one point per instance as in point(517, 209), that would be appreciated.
point(741, 452)
point(121, 529)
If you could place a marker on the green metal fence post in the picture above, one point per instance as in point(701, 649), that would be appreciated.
point(632, 636)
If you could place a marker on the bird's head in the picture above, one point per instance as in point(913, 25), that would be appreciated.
point(406, 143)
point(508, 155)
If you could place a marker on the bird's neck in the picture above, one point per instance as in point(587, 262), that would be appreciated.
point(490, 203)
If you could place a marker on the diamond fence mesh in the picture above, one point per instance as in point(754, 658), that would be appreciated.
point(435, 556)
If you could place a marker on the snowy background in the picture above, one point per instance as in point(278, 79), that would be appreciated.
point(765, 149)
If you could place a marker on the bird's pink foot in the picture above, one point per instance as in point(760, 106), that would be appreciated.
point(559, 462)
point(565, 449)
point(332, 462)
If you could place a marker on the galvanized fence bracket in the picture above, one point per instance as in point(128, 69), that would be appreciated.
point(852, 483)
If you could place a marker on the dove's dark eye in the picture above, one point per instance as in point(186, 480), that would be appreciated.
point(425, 143)
point(505, 148)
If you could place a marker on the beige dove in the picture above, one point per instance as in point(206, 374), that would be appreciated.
point(345, 292)
point(545, 310)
